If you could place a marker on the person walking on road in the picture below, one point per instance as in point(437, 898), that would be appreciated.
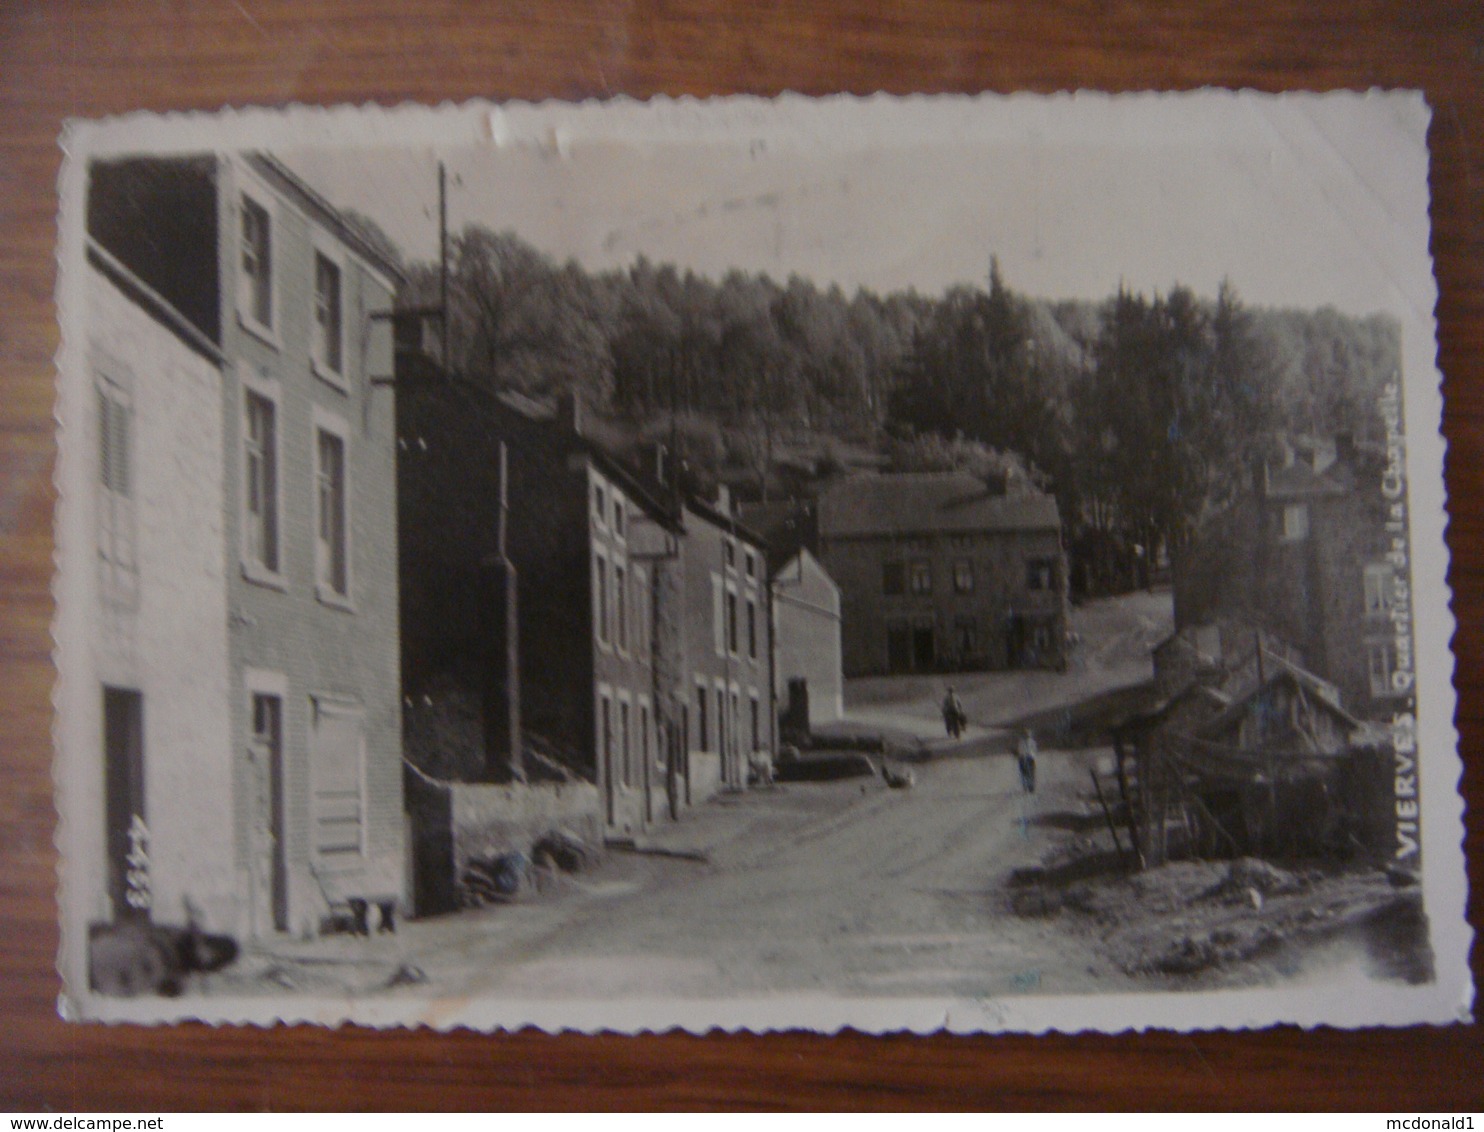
point(953, 714)
point(1025, 760)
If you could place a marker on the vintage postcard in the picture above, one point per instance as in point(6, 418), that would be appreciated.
point(907, 564)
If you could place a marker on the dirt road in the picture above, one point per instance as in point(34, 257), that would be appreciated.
point(832, 887)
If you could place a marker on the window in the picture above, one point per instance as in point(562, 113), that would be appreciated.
point(600, 597)
point(605, 703)
point(751, 564)
point(641, 613)
point(256, 295)
point(751, 629)
point(756, 741)
point(731, 623)
point(718, 617)
point(618, 517)
point(115, 503)
point(620, 606)
point(643, 734)
point(921, 576)
point(729, 551)
point(1295, 522)
point(893, 578)
point(1040, 573)
point(965, 637)
point(600, 505)
point(723, 732)
point(701, 731)
point(332, 558)
point(336, 752)
point(1380, 589)
point(328, 342)
point(260, 491)
point(627, 777)
point(963, 575)
point(1379, 665)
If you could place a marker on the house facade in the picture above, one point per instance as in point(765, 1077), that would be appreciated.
point(728, 646)
point(808, 680)
point(147, 694)
point(643, 663)
point(306, 751)
point(1304, 553)
point(940, 572)
point(585, 544)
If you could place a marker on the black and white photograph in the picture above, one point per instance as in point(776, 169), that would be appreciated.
point(907, 564)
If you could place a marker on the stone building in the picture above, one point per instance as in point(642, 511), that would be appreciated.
point(728, 642)
point(1305, 554)
point(255, 486)
point(643, 663)
point(582, 537)
point(942, 572)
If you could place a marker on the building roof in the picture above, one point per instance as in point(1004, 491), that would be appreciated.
point(1324, 697)
point(788, 526)
point(327, 214)
point(723, 521)
point(560, 432)
point(929, 502)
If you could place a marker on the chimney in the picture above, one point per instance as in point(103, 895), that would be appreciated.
point(569, 410)
point(723, 499)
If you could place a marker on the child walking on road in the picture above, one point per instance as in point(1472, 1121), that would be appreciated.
point(1025, 759)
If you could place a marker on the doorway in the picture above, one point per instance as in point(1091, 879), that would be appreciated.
point(127, 843)
point(269, 856)
point(923, 655)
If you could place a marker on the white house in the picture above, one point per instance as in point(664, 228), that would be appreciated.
point(806, 613)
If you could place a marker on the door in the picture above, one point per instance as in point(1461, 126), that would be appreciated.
point(605, 738)
point(898, 648)
point(922, 647)
point(127, 833)
point(270, 907)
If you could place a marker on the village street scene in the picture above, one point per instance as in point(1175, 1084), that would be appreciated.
point(470, 621)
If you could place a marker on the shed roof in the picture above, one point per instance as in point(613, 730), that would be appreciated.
point(913, 502)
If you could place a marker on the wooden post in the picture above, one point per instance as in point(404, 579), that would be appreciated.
point(1128, 803)
point(1107, 813)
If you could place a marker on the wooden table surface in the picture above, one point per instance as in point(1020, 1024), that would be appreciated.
point(72, 59)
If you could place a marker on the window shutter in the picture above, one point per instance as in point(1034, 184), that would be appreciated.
point(339, 806)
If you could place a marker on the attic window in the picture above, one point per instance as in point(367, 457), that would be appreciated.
point(1295, 522)
point(257, 264)
point(1380, 589)
point(1040, 573)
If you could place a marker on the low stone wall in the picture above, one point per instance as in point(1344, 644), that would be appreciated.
point(456, 822)
point(490, 820)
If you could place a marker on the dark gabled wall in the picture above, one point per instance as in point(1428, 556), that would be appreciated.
point(448, 508)
point(158, 218)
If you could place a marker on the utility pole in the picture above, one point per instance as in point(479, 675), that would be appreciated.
point(503, 752)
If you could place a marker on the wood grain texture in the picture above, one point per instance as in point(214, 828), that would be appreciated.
point(65, 59)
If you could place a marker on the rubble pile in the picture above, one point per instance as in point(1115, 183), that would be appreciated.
point(502, 878)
